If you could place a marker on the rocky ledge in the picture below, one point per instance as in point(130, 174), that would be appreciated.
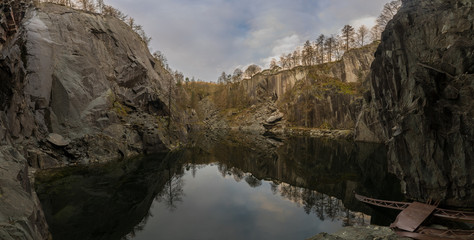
point(360, 233)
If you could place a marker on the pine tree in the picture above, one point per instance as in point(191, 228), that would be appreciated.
point(348, 35)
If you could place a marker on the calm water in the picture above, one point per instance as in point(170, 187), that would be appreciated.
point(225, 187)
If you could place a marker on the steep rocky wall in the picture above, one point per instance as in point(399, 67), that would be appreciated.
point(88, 78)
point(325, 105)
point(21, 215)
point(421, 100)
point(331, 110)
point(353, 67)
point(75, 87)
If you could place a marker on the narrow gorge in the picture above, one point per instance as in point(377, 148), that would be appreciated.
point(81, 89)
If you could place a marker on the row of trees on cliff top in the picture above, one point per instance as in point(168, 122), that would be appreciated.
point(324, 48)
point(98, 6)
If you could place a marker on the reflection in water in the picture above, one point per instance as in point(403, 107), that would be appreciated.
point(240, 186)
point(172, 192)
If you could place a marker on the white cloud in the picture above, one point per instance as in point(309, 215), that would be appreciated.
point(367, 21)
point(286, 45)
point(202, 38)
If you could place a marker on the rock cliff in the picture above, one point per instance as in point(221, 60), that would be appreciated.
point(421, 98)
point(321, 96)
point(354, 66)
point(75, 87)
point(87, 78)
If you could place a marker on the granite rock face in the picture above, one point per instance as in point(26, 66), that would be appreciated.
point(87, 78)
point(421, 99)
point(75, 87)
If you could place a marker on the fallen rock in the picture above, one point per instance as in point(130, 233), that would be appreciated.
point(275, 118)
point(57, 140)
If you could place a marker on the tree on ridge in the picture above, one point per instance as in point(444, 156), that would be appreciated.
point(348, 35)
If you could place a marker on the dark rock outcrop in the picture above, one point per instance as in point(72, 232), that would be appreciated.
point(88, 78)
point(75, 87)
point(421, 99)
point(21, 215)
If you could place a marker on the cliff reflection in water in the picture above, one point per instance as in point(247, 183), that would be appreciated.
point(113, 201)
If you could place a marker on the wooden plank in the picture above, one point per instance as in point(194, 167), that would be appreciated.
point(413, 216)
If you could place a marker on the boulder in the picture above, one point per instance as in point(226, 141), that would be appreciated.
point(275, 118)
point(57, 140)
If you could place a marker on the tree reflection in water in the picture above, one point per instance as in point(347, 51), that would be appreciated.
point(172, 193)
point(315, 174)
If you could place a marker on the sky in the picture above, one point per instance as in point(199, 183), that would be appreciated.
point(203, 38)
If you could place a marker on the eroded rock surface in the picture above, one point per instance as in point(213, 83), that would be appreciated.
point(21, 215)
point(75, 87)
point(421, 99)
point(88, 78)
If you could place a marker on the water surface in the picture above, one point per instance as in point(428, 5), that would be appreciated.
point(226, 187)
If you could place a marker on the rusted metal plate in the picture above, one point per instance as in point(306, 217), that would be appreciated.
point(463, 216)
point(413, 216)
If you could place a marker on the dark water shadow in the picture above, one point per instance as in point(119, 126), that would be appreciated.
point(112, 201)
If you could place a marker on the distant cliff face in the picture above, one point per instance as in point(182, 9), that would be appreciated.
point(353, 67)
point(315, 96)
point(421, 100)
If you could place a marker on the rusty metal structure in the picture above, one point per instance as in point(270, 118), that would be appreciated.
point(438, 212)
point(408, 222)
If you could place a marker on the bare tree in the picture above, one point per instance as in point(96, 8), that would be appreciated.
point(222, 78)
point(348, 35)
point(284, 61)
point(308, 53)
point(329, 45)
point(295, 58)
point(100, 6)
point(338, 47)
point(178, 77)
point(160, 57)
point(273, 64)
point(131, 22)
point(320, 47)
point(375, 33)
point(362, 33)
point(111, 11)
point(252, 70)
point(388, 12)
point(87, 5)
point(237, 75)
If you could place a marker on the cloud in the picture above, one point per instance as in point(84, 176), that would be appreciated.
point(202, 38)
